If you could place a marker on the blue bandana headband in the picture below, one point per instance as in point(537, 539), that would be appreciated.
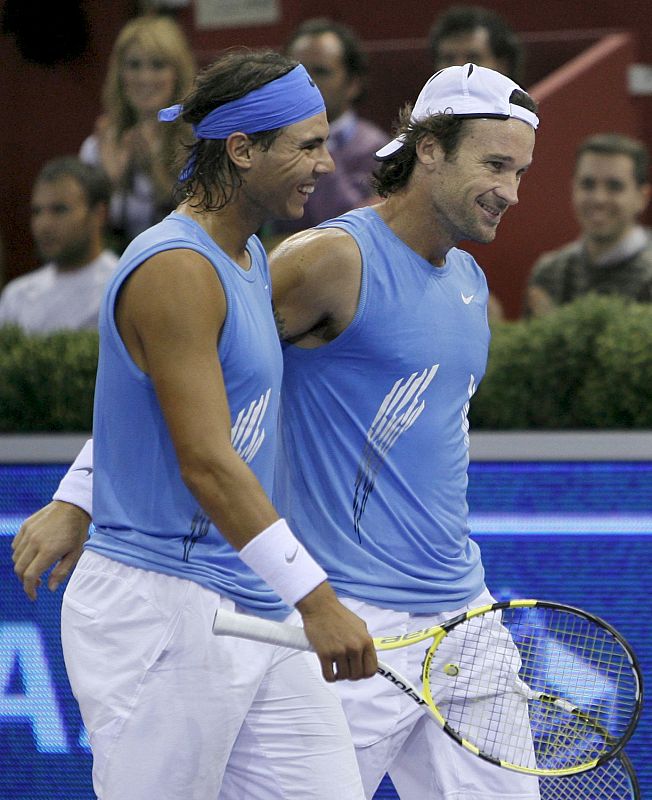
point(288, 99)
point(291, 98)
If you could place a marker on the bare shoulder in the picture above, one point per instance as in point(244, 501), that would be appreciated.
point(179, 269)
point(313, 250)
point(171, 290)
point(316, 283)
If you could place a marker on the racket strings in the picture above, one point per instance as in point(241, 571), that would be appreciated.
point(535, 687)
point(611, 781)
point(566, 656)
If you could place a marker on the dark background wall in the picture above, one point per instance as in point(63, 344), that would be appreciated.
point(47, 110)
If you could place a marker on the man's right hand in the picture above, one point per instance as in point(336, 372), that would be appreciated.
point(56, 533)
point(339, 637)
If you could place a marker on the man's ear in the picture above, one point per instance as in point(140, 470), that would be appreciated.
point(239, 149)
point(429, 150)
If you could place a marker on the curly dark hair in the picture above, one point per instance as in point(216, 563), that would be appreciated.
point(214, 177)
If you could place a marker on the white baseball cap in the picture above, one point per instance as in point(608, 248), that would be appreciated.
point(470, 91)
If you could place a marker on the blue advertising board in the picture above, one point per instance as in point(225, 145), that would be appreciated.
point(578, 533)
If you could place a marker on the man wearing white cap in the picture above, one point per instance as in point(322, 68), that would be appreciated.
point(387, 337)
point(386, 334)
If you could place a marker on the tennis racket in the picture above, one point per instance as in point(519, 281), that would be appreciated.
point(536, 687)
point(615, 780)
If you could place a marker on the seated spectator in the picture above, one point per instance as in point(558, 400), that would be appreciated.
point(613, 255)
point(472, 34)
point(69, 211)
point(151, 67)
point(333, 56)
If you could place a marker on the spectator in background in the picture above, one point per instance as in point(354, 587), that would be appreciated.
point(69, 211)
point(613, 255)
point(151, 67)
point(332, 54)
point(464, 34)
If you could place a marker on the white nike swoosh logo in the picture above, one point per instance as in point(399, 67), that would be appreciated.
point(290, 559)
point(467, 299)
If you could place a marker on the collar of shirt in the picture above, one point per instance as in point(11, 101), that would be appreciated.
point(631, 244)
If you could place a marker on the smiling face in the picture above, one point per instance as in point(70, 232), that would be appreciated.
point(149, 81)
point(471, 190)
point(282, 178)
point(607, 199)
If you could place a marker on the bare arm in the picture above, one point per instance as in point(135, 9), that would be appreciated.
point(170, 314)
point(316, 278)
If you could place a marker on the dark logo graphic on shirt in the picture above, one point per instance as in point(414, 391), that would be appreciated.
point(399, 410)
point(87, 470)
point(198, 530)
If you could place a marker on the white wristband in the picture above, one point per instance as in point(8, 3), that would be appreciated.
point(76, 486)
point(280, 559)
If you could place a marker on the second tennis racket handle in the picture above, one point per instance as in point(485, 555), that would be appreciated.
point(228, 623)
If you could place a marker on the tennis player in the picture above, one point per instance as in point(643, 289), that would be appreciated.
point(185, 422)
point(385, 322)
point(386, 334)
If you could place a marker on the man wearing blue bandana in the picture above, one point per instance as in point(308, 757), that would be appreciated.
point(185, 421)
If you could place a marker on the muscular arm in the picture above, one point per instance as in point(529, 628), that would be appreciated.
point(316, 278)
point(316, 282)
point(170, 314)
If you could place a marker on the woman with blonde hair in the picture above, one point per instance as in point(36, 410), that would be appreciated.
point(151, 67)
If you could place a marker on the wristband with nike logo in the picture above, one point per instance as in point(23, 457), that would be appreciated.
point(279, 558)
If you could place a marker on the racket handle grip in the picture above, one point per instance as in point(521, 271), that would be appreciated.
point(226, 623)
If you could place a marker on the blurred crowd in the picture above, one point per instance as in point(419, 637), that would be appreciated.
point(86, 208)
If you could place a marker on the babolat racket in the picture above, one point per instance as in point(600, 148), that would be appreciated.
point(532, 686)
point(615, 780)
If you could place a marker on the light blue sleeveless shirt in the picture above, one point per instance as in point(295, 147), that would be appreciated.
point(144, 515)
point(373, 457)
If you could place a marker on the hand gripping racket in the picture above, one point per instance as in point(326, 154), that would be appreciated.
point(615, 780)
point(536, 687)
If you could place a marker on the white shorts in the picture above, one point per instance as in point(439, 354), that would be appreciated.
point(391, 734)
point(174, 712)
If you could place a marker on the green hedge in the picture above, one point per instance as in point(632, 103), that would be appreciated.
point(588, 365)
point(47, 382)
